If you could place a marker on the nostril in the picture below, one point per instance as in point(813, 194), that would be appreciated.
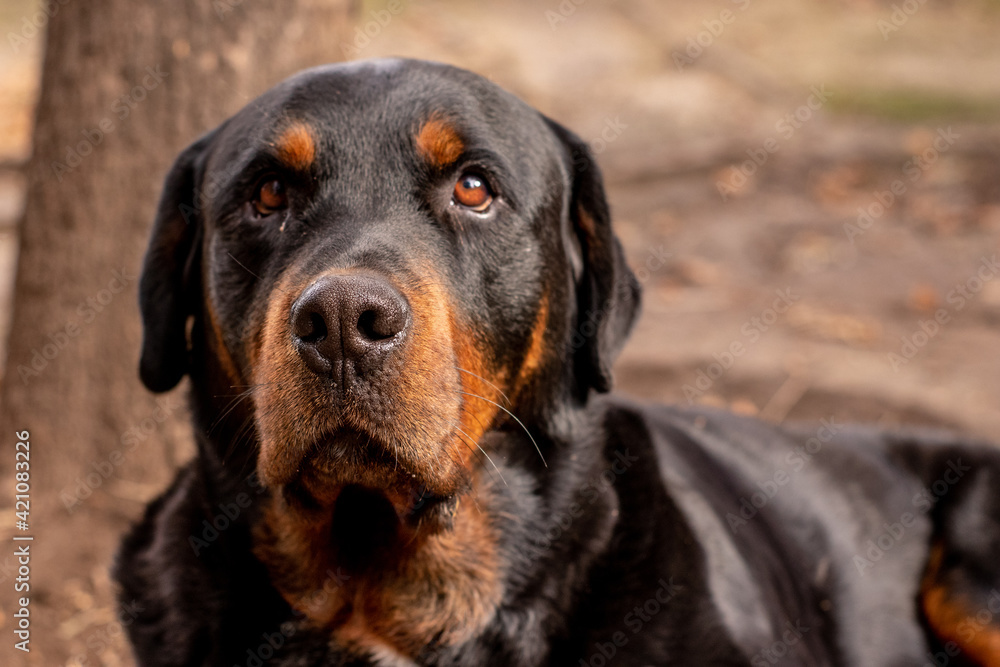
point(350, 323)
point(308, 324)
point(366, 326)
point(316, 330)
point(376, 325)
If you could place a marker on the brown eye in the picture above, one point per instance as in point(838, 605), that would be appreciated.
point(270, 197)
point(471, 191)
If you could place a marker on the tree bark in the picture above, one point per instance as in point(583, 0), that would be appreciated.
point(125, 86)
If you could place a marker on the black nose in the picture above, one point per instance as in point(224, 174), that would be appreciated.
point(347, 324)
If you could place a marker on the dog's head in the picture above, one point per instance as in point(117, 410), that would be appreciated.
point(390, 259)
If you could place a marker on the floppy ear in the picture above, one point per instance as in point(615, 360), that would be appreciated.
point(168, 286)
point(607, 291)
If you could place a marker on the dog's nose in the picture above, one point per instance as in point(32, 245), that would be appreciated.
point(343, 320)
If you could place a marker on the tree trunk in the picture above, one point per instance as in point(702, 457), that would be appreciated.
point(125, 87)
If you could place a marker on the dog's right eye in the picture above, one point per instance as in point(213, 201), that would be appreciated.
point(473, 192)
point(270, 198)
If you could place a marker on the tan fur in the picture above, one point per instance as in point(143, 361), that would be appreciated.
point(442, 586)
point(438, 142)
point(534, 358)
point(296, 146)
point(440, 583)
point(954, 619)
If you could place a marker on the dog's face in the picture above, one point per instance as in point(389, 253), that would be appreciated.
point(388, 257)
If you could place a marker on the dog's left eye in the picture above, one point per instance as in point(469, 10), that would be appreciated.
point(473, 192)
point(270, 198)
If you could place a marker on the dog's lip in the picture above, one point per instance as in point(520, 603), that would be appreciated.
point(346, 449)
point(352, 458)
point(345, 440)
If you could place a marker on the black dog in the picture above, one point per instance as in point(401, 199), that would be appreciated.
point(397, 294)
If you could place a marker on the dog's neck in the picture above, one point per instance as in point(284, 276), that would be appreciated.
point(377, 584)
point(384, 586)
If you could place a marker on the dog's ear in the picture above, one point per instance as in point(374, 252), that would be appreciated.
point(607, 291)
point(169, 283)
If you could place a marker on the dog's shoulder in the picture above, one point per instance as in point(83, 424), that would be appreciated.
point(783, 515)
point(161, 583)
point(186, 579)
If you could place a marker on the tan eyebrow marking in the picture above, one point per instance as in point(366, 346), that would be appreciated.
point(438, 142)
point(296, 146)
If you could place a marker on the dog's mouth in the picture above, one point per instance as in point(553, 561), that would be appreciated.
point(366, 527)
point(363, 481)
point(404, 417)
point(405, 429)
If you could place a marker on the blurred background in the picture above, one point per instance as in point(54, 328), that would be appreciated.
point(809, 191)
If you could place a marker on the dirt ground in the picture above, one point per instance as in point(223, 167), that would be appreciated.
point(809, 192)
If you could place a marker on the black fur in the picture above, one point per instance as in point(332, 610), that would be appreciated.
point(653, 536)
